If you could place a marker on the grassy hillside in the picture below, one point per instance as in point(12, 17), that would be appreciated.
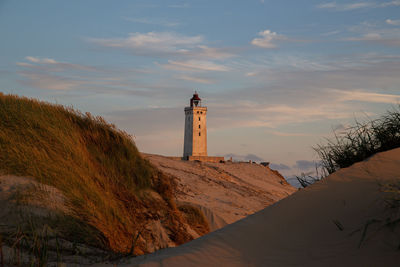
point(112, 191)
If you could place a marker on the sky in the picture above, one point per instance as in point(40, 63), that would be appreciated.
point(278, 77)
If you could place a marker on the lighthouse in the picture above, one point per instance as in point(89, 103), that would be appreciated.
point(195, 142)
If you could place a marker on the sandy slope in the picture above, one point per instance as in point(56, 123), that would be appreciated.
point(299, 230)
point(225, 192)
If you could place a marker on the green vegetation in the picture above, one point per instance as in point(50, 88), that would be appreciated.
point(356, 144)
point(361, 141)
point(108, 185)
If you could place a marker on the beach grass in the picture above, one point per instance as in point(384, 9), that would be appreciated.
point(95, 165)
point(361, 141)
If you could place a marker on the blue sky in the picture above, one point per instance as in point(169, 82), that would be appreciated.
point(277, 76)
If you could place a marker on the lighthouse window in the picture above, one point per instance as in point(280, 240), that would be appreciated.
point(199, 118)
point(199, 134)
point(201, 112)
point(199, 126)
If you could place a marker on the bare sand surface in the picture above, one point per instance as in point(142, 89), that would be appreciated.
point(321, 225)
point(225, 192)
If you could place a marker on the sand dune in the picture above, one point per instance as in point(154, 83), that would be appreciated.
point(225, 192)
point(303, 229)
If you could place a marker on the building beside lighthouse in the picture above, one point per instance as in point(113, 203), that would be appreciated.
point(195, 142)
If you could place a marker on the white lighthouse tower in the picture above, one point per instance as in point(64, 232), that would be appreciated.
point(195, 143)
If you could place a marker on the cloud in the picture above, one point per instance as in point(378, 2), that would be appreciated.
point(368, 32)
point(357, 5)
point(255, 115)
point(153, 21)
point(152, 42)
point(165, 44)
point(195, 79)
point(304, 165)
point(203, 51)
point(49, 64)
point(279, 133)
point(375, 37)
point(393, 22)
point(279, 167)
point(44, 73)
point(194, 65)
point(41, 60)
point(24, 64)
point(367, 97)
point(328, 5)
point(268, 39)
point(184, 5)
point(50, 74)
point(391, 3)
point(286, 95)
point(48, 81)
point(346, 7)
point(330, 33)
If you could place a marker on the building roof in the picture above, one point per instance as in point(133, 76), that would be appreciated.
point(196, 97)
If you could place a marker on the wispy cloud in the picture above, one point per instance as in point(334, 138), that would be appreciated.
point(367, 97)
point(183, 5)
point(194, 65)
point(268, 39)
point(346, 7)
point(48, 81)
point(330, 33)
point(195, 79)
point(50, 64)
point(286, 134)
point(153, 21)
point(373, 34)
point(259, 115)
point(203, 51)
point(41, 60)
point(50, 74)
point(357, 5)
point(304, 165)
point(393, 22)
point(391, 3)
point(152, 42)
point(165, 44)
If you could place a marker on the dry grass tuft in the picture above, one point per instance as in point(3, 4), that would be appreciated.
point(361, 141)
point(195, 218)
